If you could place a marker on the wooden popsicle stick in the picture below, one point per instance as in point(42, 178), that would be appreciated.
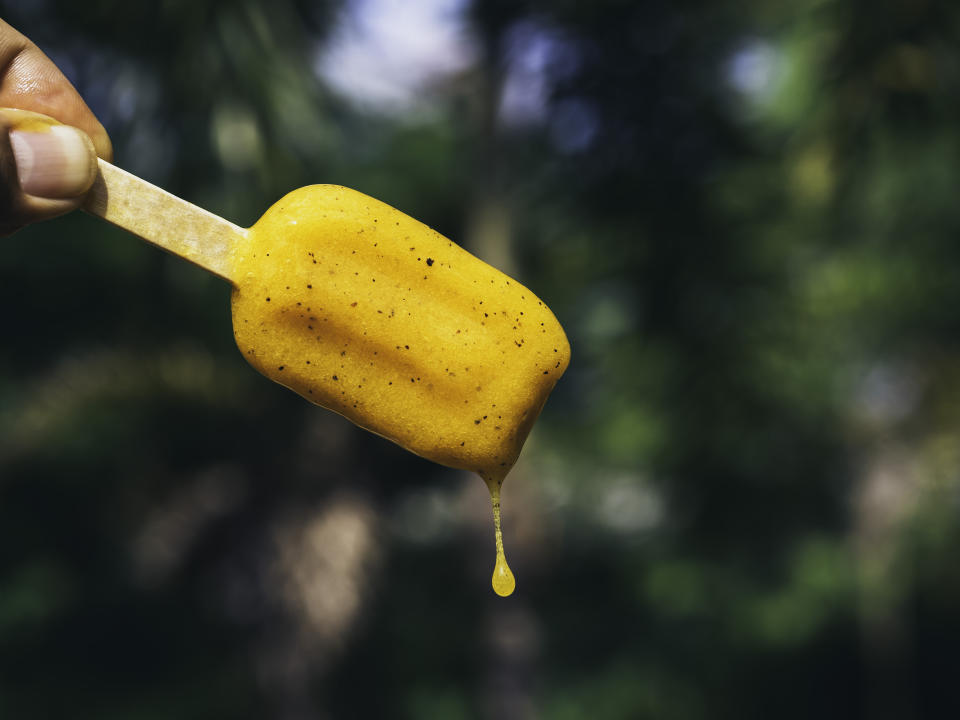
point(163, 219)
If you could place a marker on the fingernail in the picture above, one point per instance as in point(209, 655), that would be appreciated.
point(58, 163)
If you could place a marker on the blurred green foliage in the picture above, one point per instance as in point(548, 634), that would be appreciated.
point(742, 500)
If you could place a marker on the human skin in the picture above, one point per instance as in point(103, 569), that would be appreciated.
point(45, 168)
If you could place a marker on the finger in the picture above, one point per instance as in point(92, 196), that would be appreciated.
point(31, 81)
point(45, 168)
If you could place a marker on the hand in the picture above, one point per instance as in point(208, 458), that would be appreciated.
point(49, 139)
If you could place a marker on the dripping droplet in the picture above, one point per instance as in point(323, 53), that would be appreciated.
point(503, 581)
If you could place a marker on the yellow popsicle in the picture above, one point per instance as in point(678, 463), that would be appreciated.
point(370, 313)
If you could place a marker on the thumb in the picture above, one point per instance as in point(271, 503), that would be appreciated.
point(45, 168)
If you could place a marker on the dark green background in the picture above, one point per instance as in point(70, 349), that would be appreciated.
point(741, 501)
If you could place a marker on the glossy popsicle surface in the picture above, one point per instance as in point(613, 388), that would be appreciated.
point(370, 313)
